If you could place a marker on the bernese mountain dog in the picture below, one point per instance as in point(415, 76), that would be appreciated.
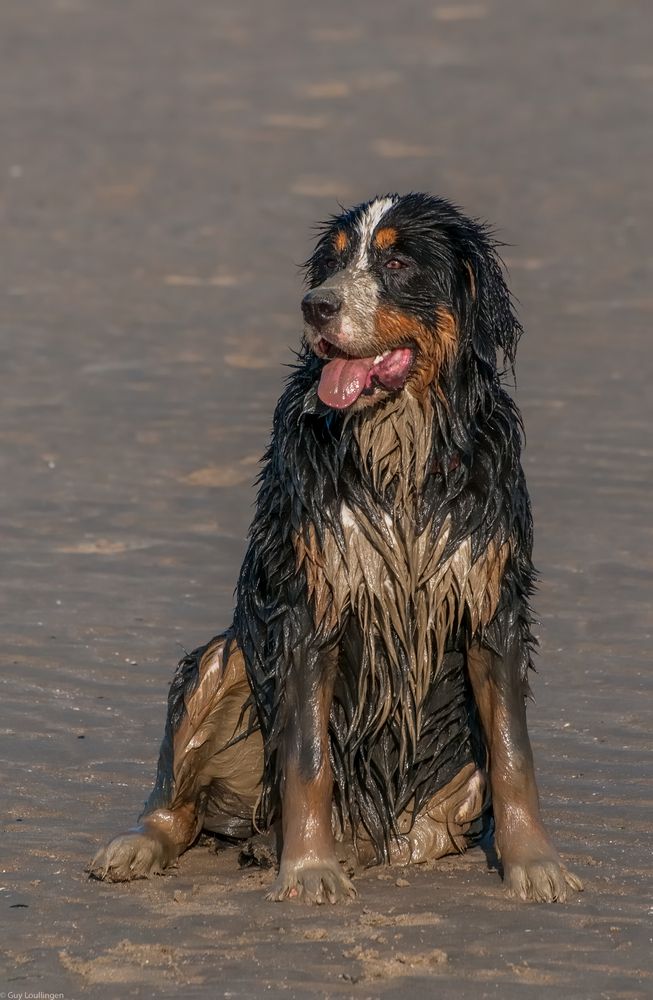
point(371, 688)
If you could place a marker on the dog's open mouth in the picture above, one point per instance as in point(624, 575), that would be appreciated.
point(344, 378)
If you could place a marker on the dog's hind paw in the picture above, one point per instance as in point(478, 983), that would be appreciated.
point(132, 855)
point(541, 881)
point(315, 882)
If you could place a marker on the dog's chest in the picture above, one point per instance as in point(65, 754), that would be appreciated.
point(401, 584)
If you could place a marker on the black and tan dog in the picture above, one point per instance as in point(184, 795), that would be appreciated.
point(372, 684)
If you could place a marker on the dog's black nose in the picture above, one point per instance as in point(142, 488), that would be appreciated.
point(320, 306)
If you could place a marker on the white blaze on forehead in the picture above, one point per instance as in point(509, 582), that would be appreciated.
point(366, 225)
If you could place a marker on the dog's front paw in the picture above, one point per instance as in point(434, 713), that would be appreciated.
point(132, 855)
point(312, 882)
point(540, 880)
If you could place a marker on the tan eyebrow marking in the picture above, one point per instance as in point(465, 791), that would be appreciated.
point(340, 240)
point(385, 237)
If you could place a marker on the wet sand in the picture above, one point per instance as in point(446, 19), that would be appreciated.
point(160, 167)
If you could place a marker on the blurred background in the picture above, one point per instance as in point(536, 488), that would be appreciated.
point(161, 167)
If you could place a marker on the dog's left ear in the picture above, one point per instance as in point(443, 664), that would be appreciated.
point(490, 316)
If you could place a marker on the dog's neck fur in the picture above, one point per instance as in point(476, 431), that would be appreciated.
point(395, 442)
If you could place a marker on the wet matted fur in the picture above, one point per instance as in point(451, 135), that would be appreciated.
point(371, 687)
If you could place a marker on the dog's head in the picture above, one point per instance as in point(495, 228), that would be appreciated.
point(405, 292)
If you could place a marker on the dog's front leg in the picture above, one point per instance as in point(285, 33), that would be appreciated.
point(531, 865)
point(309, 869)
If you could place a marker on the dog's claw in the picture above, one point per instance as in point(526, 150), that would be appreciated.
point(541, 881)
point(312, 883)
point(131, 855)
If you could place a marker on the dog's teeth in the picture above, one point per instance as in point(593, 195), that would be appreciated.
point(378, 358)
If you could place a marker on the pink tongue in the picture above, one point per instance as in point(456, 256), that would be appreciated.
point(343, 380)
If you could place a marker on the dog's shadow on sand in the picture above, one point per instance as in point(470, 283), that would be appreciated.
point(492, 859)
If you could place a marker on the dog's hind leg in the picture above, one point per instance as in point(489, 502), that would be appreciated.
point(532, 867)
point(210, 767)
point(309, 869)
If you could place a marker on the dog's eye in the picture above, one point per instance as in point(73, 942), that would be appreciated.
point(394, 264)
point(331, 263)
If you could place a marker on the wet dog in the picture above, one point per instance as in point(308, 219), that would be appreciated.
point(372, 685)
